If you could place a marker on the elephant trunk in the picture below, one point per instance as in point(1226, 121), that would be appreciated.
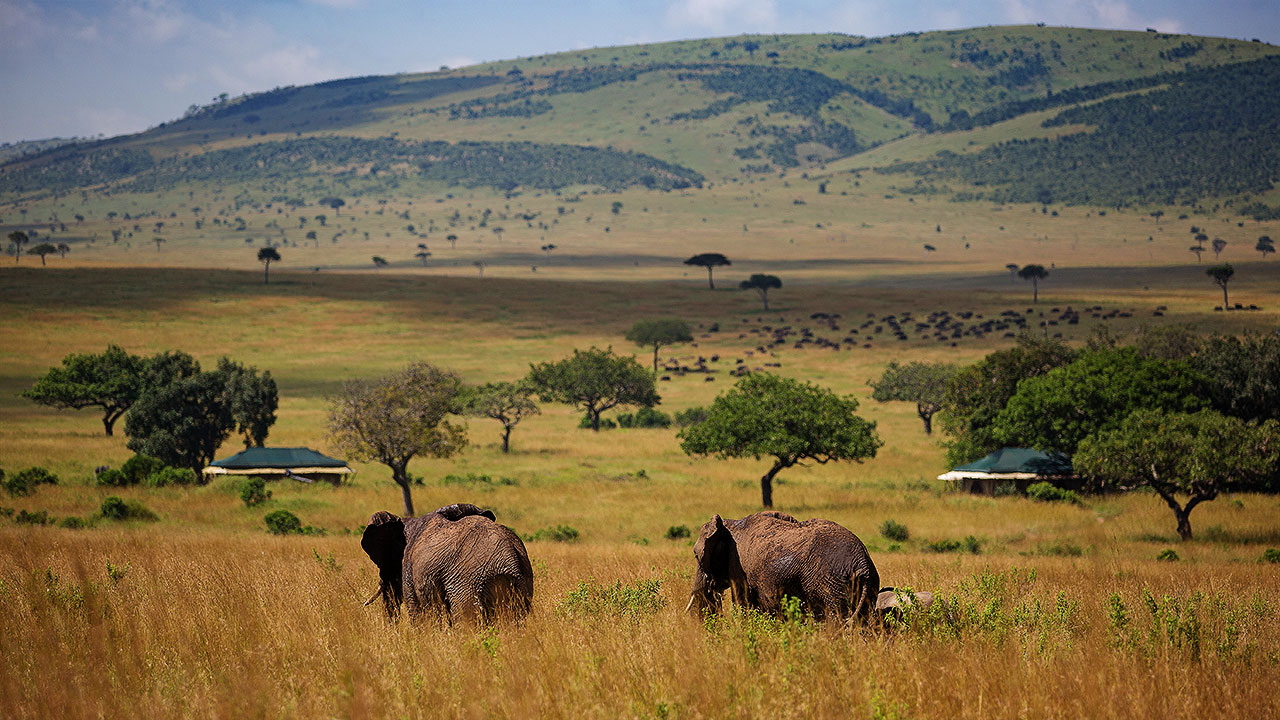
point(703, 598)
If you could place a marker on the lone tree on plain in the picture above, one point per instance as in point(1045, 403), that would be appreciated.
point(1263, 246)
point(764, 415)
point(18, 238)
point(379, 261)
point(422, 255)
point(1221, 275)
point(63, 249)
point(111, 380)
point(547, 249)
point(395, 418)
point(43, 249)
point(506, 402)
point(1218, 246)
point(1013, 271)
point(1198, 455)
point(266, 256)
point(924, 384)
point(762, 284)
point(594, 380)
point(336, 203)
point(656, 333)
point(1034, 273)
point(710, 261)
point(1197, 249)
point(453, 241)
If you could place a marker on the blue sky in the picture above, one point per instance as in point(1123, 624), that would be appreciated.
point(82, 68)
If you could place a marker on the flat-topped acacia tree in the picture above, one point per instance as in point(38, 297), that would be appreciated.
point(656, 333)
point(1034, 273)
point(1221, 275)
point(710, 261)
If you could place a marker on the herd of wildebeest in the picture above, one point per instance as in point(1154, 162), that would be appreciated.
point(458, 564)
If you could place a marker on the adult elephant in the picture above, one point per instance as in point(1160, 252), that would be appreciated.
point(455, 563)
point(765, 557)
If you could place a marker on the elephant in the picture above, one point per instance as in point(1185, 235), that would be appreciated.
point(455, 563)
point(765, 557)
point(891, 602)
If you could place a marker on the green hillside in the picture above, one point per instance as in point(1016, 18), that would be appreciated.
point(674, 115)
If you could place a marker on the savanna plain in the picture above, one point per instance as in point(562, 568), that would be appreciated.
point(1053, 610)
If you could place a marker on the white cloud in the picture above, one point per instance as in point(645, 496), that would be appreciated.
point(718, 15)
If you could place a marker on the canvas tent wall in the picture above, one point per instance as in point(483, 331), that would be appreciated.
point(275, 463)
point(1020, 466)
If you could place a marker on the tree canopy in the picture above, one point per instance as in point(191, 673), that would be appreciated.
point(254, 400)
point(43, 249)
point(594, 380)
point(111, 380)
point(793, 422)
point(1221, 275)
point(710, 261)
point(395, 418)
point(762, 284)
point(656, 333)
point(1197, 455)
point(506, 402)
point(1034, 273)
point(266, 256)
point(182, 423)
point(924, 384)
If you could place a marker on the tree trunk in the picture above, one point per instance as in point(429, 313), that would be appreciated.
point(1225, 306)
point(506, 438)
point(927, 417)
point(1184, 524)
point(266, 274)
point(401, 477)
point(712, 285)
point(595, 419)
point(1035, 291)
point(764, 296)
point(655, 359)
point(108, 423)
point(766, 485)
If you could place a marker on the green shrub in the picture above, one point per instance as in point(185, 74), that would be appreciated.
point(474, 480)
point(559, 533)
point(140, 467)
point(642, 597)
point(39, 517)
point(1168, 555)
point(112, 477)
point(72, 522)
point(1060, 549)
point(1270, 555)
point(692, 416)
point(253, 491)
point(283, 522)
point(678, 532)
point(894, 530)
point(25, 481)
point(167, 476)
point(970, 544)
point(605, 423)
point(114, 508)
point(644, 418)
point(1048, 492)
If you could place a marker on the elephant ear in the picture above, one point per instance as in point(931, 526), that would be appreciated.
point(457, 511)
point(383, 541)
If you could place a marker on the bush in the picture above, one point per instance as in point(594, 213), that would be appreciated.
point(1270, 555)
point(1168, 555)
point(692, 416)
point(1060, 549)
point(283, 522)
point(605, 423)
point(254, 491)
point(970, 544)
point(112, 478)
point(24, 482)
point(559, 533)
point(1048, 492)
point(167, 476)
point(39, 517)
point(678, 532)
point(632, 600)
point(140, 467)
point(894, 530)
point(645, 418)
point(74, 523)
point(474, 480)
point(114, 508)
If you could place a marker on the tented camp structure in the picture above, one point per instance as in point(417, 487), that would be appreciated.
point(297, 463)
point(1021, 466)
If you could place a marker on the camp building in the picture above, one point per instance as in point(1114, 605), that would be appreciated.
point(297, 463)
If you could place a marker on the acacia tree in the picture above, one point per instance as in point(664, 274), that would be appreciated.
point(397, 417)
point(1221, 275)
point(1263, 246)
point(43, 249)
point(19, 238)
point(111, 380)
point(506, 402)
point(710, 261)
point(1034, 273)
point(1218, 246)
point(762, 284)
point(1197, 455)
point(924, 384)
point(594, 380)
point(764, 415)
point(656, 333)
point(266, 256)
point(1013, 271)
point(182, 423)
point(254, 400)
point(1197, 249)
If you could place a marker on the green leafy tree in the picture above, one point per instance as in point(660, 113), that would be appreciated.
point(764, 415)
point(1218, 246)
point(111, 380)
point(506, 402)
point(254, 400)
point(1264, 245)
point(1244, 374)
point(1221, 275)
point(710, 261)
point(182, 423)
point(978, 392)
point(656, 333)
point(335, 203)
point(1197, 456)
point(379, 261)
point(594, 380)
point(924, 384)
point(43, 250)
point(1096, 392)
point(395, 418)
point(1197, 249)
point(266, 256)
point(1013, 271)
point(18, 238)
point(762, 284)
point(1034, 273)
point(63, 249)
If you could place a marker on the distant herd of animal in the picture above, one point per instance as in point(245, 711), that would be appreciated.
point(460, 565)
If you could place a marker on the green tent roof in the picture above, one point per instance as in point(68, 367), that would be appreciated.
point(1020, 460)
point(284, 458)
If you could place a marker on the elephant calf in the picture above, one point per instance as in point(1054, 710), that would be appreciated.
point(455, 562)
point(765, 557)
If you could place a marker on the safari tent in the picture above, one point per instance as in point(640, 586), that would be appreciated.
point(297, 463)
point(1021, 466)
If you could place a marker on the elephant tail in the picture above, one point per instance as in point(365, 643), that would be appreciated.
point(864, 592)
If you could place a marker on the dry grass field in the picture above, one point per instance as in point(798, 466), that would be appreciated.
point(1063, 612)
